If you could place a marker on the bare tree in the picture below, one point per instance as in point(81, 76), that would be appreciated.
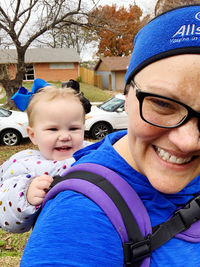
point(165, 5)
point(22, 22)
point(71, 36)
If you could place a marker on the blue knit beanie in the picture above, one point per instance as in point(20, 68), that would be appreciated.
point(172, 33)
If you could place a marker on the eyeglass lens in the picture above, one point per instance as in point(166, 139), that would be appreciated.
point(163, 112)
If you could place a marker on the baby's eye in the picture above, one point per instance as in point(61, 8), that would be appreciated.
point(52, 129)
point(74, 129)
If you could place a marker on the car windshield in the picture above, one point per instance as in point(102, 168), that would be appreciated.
point(112, 104)
point(5, 112)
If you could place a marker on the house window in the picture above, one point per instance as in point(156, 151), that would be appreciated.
point(61, 65)
point(29, 75)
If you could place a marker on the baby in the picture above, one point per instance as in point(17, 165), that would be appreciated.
point(56, 126)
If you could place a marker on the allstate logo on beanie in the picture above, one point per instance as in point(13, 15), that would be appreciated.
point(188, 31)
point(172, 33)
point(197, 16)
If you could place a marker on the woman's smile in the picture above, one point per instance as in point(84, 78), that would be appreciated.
point(166, 156)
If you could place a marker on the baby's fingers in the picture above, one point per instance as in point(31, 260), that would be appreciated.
point(43, 184)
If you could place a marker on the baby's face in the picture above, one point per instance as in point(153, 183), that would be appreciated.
point(58, 129)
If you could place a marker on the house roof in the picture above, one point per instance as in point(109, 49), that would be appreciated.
point(114, 63)
point(41, 55)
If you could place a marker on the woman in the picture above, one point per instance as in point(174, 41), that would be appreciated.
point(159, 156)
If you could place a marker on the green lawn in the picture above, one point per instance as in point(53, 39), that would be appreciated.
point(3, 100)
point(93, 93)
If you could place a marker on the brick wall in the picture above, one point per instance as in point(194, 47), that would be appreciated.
point(43, 71)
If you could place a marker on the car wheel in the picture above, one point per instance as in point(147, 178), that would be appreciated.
point(100, 130)
point(10, 138)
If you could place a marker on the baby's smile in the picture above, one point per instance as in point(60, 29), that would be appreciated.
point(63, 148)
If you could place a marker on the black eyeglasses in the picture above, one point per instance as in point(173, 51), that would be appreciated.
point(162, 111)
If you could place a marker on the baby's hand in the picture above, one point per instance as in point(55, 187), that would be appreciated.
point(36, 191)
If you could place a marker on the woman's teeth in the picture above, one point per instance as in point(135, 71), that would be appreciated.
point(173, 159)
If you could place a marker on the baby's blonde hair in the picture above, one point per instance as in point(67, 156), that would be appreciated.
point(50, 93)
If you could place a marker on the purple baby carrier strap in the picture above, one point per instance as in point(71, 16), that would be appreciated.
point(104, 202)
point(131, 198)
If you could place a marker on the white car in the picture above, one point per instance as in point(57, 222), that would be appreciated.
point(107, 117)
point(13, 126)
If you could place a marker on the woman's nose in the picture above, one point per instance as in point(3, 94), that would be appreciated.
point(187, 136)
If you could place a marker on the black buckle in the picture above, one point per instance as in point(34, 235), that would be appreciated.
point(134, 252)
point(190, 213)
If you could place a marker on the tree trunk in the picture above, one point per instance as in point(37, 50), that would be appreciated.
point(11, 86)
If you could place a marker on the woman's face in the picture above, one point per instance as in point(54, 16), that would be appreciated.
point(151, 147)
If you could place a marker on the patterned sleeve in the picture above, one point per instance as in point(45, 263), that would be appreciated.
point(16, 174)
point(16, 214)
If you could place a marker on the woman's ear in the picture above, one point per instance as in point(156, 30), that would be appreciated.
point(126, 103)
point(126, 98)
point(31, 134)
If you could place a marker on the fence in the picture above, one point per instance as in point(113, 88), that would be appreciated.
point(89, 76)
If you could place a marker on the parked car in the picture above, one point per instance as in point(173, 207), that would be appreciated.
point(107, 117)
point(13, 126)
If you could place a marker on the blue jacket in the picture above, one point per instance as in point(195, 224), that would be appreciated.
point(73, 231)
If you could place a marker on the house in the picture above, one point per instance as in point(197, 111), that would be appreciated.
point(112, 70)
point(50, 64)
